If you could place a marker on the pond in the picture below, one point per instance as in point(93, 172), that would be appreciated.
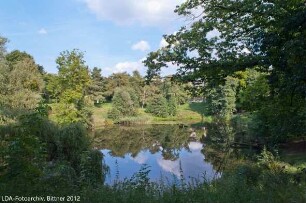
point(168, 150)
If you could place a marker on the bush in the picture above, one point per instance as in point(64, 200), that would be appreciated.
point(172, 106)
point(65, 114)
point(39, 157)
point(113, 114)
point(123, 105)
point(158, 106)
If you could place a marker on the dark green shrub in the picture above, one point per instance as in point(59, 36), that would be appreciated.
point(123, 104)
point(158, 106)
point(172, 106)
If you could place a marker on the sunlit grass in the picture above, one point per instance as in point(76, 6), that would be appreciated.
point(190, 113)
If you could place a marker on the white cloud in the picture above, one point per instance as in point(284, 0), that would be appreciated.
point(130, 66)
point(246, 51)
point(125, 12)
point(42, 31)
point(142, 46)
point(213, 33)
point(195, 146)
point(170, 166)
point(163, 43)
point(126, 66)
point(141, 158)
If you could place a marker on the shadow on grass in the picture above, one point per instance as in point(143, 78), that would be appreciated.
point(200, 108)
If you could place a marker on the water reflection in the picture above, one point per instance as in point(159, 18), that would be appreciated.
point(190, 163)
point(166, 149)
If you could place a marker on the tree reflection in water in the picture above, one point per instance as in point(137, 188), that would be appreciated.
point(121, 140)
point(166, 148)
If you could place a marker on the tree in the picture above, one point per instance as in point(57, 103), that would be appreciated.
point(255, 95)
point(21, 85)
point(137, 82)
point(222, 99)
point(25, 84)
point(73, 76)
point(158, 106)
point(113, 81)
point(3, 42)
point(53, 87)
point(123, 105)
point(96, 89)
point(17, 56)
point(69, 88)
point(230, 36)
point(172, 106)
point(250, 36)
point(148, 93)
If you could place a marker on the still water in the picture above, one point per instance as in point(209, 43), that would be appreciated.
point(166, 149)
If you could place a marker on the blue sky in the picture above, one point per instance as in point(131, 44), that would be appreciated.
point(115, 35)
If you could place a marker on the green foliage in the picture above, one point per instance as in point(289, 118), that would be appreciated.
point(38, 157)
point(283, 121)
point(3, 42)
point(254, 96)
point(137, 83)
point(113, 81)
point(172, 106)
point(134, 96)
point(114, 114)
point(123, 104)
point(69, 89)
point(222, 100)
point(249, 128)
point(73, 76)
point(93, 169)
point(21, 84)
point(16, 56)
point(97, 87)
point(244, 183)
point(158, 106)
point(148, 93)
point(72, 142)
point(65, 113)
point(53, 88)
point(265, 37)
point(229, 91)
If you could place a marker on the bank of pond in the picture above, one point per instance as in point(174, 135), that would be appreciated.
point(177, 163)
point(158, 163)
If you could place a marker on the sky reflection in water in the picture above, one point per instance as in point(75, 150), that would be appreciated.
point(192, 163)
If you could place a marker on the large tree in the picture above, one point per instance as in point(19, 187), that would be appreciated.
point(233, 35)
point(70, 88)
point(227, 36)
point(21, 83)
point(97, 87)
point(115, 80)
point(17, 56)
point(73, 76)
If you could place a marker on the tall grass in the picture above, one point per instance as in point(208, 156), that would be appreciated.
point(134, 120)
point(245, 183)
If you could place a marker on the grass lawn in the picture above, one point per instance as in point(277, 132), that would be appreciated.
point(100, 115)
point(187, 114)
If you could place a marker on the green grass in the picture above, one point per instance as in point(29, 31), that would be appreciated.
point(245, 183)
point(100, 115)
point(192, 113)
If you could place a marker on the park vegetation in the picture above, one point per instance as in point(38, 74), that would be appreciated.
point(245, 58)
